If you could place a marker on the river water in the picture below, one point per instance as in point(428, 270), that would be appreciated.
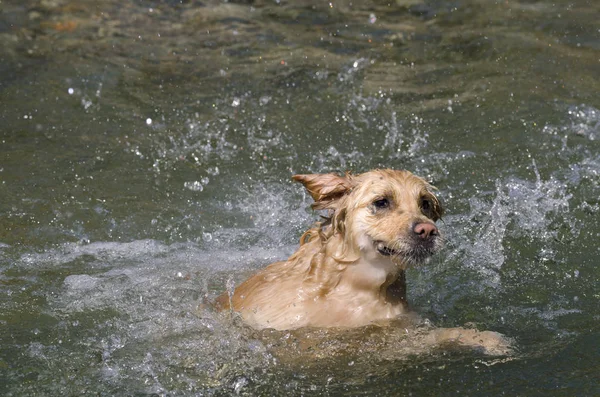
point(146, 149)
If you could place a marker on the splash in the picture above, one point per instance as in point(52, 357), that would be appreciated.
point(519, 209)
point(138, 313)
point(405, 142)
point(277, 214)
point(585, 121)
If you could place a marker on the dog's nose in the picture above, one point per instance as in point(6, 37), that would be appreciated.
point(425, 230)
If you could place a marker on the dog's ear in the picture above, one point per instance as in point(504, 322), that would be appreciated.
point(325, 189)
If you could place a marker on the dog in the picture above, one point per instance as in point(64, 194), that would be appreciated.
point(349, 270)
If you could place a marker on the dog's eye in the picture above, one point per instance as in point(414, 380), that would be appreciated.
point(430, 209)
point(427, 208)
point(426, 205)
point(381, 204)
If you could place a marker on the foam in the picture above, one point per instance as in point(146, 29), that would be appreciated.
point(145, 303)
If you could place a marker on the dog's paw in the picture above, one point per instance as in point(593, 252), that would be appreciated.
point(487, 342)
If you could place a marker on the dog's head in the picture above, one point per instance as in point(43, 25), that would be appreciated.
point(379, 215)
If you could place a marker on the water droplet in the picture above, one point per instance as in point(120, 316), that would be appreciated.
point(194, 186)
point(148, 121)
point(71, 91)
point(239, 384)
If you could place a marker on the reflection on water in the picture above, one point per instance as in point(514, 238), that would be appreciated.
point(146, 150)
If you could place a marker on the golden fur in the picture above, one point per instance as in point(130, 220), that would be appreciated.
point(349, 269)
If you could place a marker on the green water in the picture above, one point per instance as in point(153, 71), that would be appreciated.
point(146, 149)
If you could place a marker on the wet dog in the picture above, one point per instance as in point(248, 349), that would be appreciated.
point(349, 270)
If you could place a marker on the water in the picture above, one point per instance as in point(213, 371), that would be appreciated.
point(146, 154)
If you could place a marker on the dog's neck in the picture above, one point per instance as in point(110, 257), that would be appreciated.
point(370, 273)
point(380, 276)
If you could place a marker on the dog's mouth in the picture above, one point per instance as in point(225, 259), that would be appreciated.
point(413, 254)
point(385, 250)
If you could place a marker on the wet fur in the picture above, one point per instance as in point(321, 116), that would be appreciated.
point(349, 270)
point(337, 277)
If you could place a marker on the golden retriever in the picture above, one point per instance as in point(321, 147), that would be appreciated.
point(349, 270)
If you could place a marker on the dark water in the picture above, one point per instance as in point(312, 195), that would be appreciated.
point(145, 159)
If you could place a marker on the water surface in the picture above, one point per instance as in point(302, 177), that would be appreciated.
point(146, 149)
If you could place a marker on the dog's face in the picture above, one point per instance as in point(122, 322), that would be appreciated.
point(379, 215)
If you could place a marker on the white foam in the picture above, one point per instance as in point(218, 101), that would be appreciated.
point(81, 282)
point(146, 300)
